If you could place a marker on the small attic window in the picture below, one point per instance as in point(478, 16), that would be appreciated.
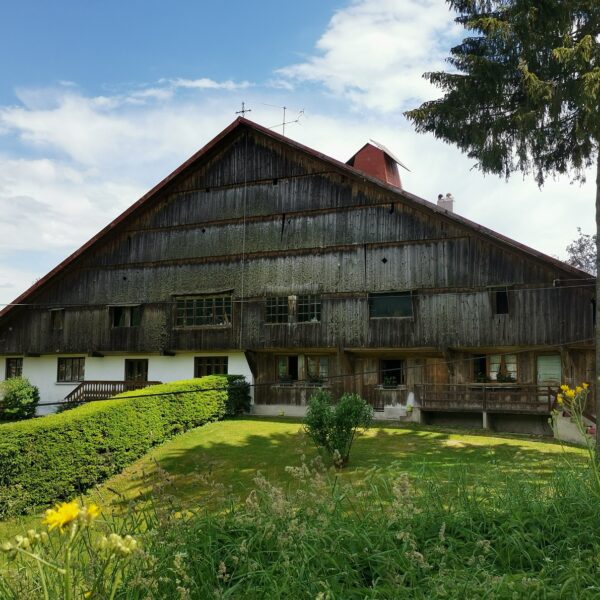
point(57, 319)
point(500, 302)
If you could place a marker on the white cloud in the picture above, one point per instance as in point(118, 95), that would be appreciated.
point(209, 84)
point(46, 204)
point(374, 52)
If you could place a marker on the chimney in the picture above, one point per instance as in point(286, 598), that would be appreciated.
point(446, 202)
point(377, 161)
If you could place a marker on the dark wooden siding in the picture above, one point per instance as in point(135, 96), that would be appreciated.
point(261, 219)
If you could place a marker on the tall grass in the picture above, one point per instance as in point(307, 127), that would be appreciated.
point(388, 536)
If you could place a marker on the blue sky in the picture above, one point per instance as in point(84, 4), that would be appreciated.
point(101, 100)
point(104, 45)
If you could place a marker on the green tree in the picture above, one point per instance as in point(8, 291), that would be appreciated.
point(18, 399)
point(582, 252)
point(523, 93)
point(332, 428)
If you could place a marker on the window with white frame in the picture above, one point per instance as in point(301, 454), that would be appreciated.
point(503, 367)
point(203, 311)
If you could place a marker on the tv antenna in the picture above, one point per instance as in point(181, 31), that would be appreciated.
point(284, 122)
point(244, 110)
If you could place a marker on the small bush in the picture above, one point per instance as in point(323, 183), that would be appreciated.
point(238, 396)
point(333, 427)
point(19, 399)
point(62, 455)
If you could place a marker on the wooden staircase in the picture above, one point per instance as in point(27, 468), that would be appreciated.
point(88, 391)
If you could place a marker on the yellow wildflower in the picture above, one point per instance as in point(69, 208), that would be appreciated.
point(570, 393)
point(560, 399)
point(585, 386)
point(62, 515)
point(91, 512)
point(564, 387)
point(578, 389)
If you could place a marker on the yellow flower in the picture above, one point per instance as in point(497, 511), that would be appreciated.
point(578, 389)
point(570, 393)
point(62, 515)
point(559, 398)
point(91, 511)
point(585, 386)
point(564, 387)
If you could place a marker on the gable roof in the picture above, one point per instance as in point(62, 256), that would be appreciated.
point(338, 165)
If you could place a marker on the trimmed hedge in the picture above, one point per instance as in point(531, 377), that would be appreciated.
point(238, 398)
point(56, 457)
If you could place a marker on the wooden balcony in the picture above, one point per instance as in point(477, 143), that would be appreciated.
point(381, 396)
point(88, 391)
point(295, 393)
point(513, 398)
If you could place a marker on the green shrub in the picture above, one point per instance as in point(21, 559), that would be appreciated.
point(238, 396)
point(333, 427)
point(19, 399)
point(58, 456)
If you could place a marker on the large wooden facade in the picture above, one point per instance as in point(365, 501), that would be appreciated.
point(255, 217)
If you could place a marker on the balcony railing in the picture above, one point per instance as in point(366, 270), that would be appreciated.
point(89, 391)
point(500, 398)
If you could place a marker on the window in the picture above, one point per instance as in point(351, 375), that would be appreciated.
point(210, 365)
point(199, 311)
point(125, 316)
point(480, 368)
point(287, 368)
point(317, 368)
point(136, 369)
point(391, 372)
point(14, 368)
point(549, 369)
point(500, 301)
point(391, 304)
point(503, 368)
point(277, 310)
point(309, 309)
point(71, 369)
point(299, 309)
point(57, 319)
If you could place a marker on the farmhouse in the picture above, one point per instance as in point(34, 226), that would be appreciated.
point(262, 257)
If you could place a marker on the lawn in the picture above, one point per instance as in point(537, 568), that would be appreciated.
point(232, 452)
point(420, 512)
point(198, 467)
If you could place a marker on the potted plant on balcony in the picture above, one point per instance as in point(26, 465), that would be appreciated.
point(505, 378)
point(315, 381)
point(389, 383)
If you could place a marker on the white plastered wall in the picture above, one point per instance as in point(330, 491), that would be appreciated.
point(42, 371)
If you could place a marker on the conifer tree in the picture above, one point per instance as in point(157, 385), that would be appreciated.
point(523, 94)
